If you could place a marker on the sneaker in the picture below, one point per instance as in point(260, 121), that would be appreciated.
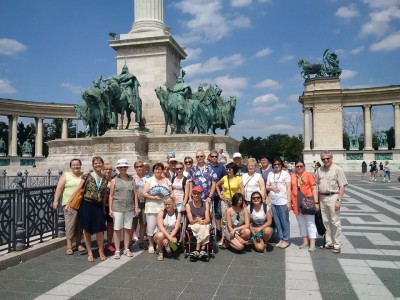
point(389, 181)
point(117, 255)
point(202, 254)
point(110, 249)
point(284, 245)
point(128, 253)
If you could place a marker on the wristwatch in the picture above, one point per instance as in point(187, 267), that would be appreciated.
point(339, 200)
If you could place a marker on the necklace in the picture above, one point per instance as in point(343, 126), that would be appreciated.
point(276, 179)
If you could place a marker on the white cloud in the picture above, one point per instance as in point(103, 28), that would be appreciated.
point(381, 17)
point(76, 89)
point(11, 47)
point(294, 97)
point(231, 86)
point(389, 43)
point(348, 74)
point(269, 83)
point(207, 22)
point(193, 53)
point(357, 50)
point(278, 118)
point(286, 58)
point(264, 52)
point(214, 64)
point(347, 12)
point(267, 99)
point(241, 3)
point(6, 87)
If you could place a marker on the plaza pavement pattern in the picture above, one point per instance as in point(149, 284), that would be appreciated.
point(367, 268)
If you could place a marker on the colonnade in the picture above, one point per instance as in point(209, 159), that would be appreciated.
point(308, 113)
point(13, 140)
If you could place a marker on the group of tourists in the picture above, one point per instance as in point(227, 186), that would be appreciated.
point(382, 169)
point(248, 201)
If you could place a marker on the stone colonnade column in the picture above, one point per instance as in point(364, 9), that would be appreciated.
point(367, 128)
point(39, 138)
point(306, 112)
point(9, 135)
point(64, 129)
point(13, 140)
point(396, 125)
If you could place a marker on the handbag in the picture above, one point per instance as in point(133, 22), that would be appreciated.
point(76, 201)
point(319, 223)
point(306, 204)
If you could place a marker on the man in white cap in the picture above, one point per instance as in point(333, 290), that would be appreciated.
point(237, 159)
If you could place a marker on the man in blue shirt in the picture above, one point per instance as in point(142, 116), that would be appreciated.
point(265, 169)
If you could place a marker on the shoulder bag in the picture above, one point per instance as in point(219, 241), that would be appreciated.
point(306, 204)
point(76, 201)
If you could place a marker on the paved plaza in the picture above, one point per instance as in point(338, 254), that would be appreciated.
point(367, 268)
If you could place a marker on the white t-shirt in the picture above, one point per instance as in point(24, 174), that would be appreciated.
point(169, 222)
point(259, 218)
point(279, 179)
point(250, 183)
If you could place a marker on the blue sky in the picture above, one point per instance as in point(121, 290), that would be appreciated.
point(52, 50)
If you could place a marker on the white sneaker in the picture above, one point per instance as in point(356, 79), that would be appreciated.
point(389, 181)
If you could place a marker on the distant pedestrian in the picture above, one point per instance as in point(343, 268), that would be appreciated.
point(331, 183)
point(364, 170)
point(386, 170)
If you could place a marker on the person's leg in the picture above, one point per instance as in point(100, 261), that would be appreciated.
point(118, 225)
point(326, 218)
point(69, 228)
point(312, 230)
point(128, 217)
point(110, 233)
point(100, 244)
point(217, 212)
point(224, 207)
point(303, 229)
point(88, 241)
point(135, 222)
point(151, 220)
point(267, 234)
point(276, 214)
point(244, 236)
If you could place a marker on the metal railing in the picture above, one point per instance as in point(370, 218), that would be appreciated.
point(27, 216)
point(9, 182)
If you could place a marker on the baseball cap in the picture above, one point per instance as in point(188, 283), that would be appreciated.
point(198, 189)
point(170, 154)
point(122, 163)
point(237, 154)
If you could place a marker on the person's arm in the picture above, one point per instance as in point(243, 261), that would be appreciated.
point(135, 197)
point(218, 184)
point(262, 188)
point(241, 188)
point(110, 197)
point(315, 194)
point(177, 225)
point(59, 189)
point(246, 224)
point(189, 215)
point(212, 190)
point(289, 195)
point(229, 222)
point(207, 219)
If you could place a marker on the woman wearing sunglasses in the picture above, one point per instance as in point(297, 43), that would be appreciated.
point(304, 181)
point(260, 221)
point(278, 183)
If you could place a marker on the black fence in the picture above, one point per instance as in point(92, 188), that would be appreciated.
point(27, 216)
point(9, 182)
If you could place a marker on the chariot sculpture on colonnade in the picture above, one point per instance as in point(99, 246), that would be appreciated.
point(186, 112)
point(330, 67)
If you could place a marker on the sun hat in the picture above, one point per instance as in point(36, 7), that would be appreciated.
point(122, 163)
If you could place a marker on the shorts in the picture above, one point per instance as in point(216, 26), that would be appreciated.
point(71, 223)
point(123, 220)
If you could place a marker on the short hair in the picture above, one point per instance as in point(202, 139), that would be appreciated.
point(299, 161)
point(179, 163)
point(158, 165)
point(169, 199)
point(138, 162)
point(97, 158)
point(252, 160)
point(235, 199)
point(214, 152)
point(279, 160)
point(264, 156)
point(326, 152)
point(254, 193)
point(232, 166)
point(107, 166)
point(188, 157)
point(75, 159)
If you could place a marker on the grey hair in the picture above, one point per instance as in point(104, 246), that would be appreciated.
point(326, 152)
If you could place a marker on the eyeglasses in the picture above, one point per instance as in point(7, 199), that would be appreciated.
point(326, 158)
point(172, 162)
point(188, 162)
point(255, 197)
point(122, 167)
point(214, 156)
point(199, 156)
point(299, 167)
point(179, 169)
point(277, 164)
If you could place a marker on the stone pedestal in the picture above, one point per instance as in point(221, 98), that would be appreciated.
point(133, 145)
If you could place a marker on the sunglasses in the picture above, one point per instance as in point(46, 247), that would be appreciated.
point(122, 167)
point(179, 169)
point(326, 158)
point(188, 162)
point(214, 156)
point(200, 156)
point(277, 164)
point(172, 162)
point(255, 197)
point(141, 166)
point(299, 167)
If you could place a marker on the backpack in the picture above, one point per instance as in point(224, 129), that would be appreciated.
point(165, 213)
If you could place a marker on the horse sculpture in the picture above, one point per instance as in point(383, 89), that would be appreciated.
point(225, 116)
point(175, 109)
point(310, 69)
point(96, 112)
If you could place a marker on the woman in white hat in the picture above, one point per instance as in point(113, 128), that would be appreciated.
point(123, 205)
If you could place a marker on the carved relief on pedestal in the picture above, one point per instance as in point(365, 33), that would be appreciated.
point(327, 108)
point(178, 146)
point(141, 51)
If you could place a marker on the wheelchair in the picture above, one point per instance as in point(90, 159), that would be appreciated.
point(188, 241)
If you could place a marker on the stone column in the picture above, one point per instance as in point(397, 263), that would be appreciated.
point(14, 140)
point(367, 128)
point(149, 16)
point(64, 129)
point(39, 138)
point(306, 112)
point(9, 135)
point(396, 125)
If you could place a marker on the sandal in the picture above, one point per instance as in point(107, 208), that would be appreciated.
point(160, 257)
point(69, 252)
point(102, 256)
point(203, 254)
point(81, 248)
point(151, 250)
point(117, 254)
point(90, 258)
point(128, 253)
point(336, 250)
point(142, 246)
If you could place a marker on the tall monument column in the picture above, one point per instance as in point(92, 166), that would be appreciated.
point(14, 138)
point(396, 125)
point(152, 55)
point(367, 128)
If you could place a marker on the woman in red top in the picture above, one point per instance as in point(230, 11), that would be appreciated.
point(305, 181)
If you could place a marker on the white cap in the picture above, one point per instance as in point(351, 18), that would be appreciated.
point(237, 154)
point(122, 163)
